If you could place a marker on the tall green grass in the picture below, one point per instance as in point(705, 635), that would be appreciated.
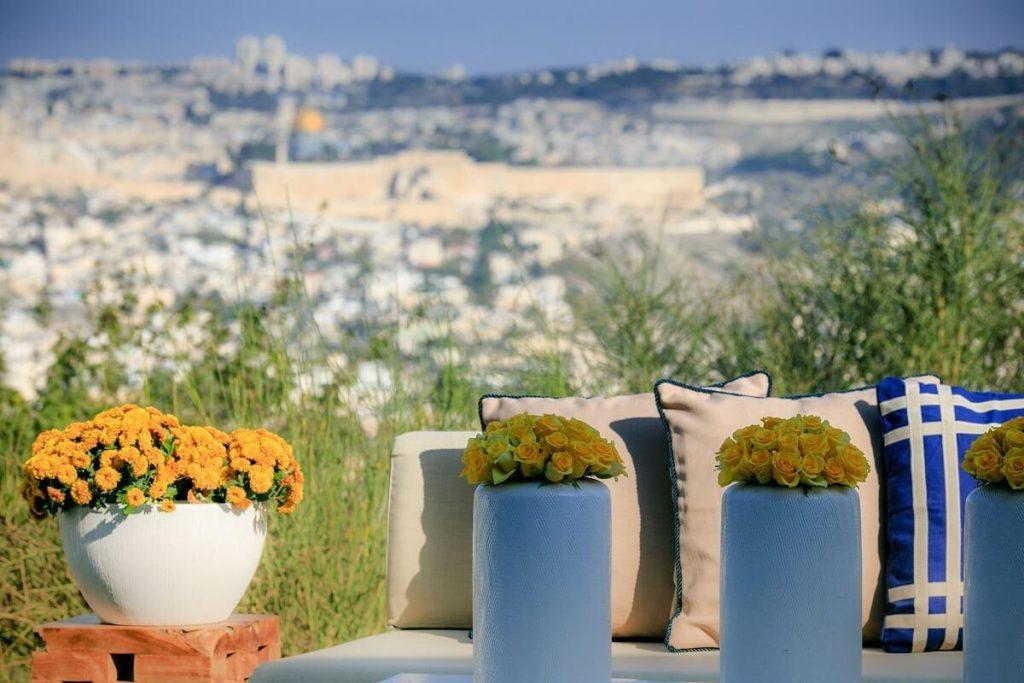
point(935, 287)
point(939, 288)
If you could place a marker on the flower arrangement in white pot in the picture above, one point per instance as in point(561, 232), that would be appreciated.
point(541, 550)
point(994, 556)
point(791, 566)
point(161, 523)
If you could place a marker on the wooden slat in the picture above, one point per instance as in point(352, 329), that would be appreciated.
point(121, 639)
point(228, 651)
point(173, 668)
point(73, 666)
point(249, 636)
point(268, 630)
point(236, 666)
point(269, 653)
point(235, 638)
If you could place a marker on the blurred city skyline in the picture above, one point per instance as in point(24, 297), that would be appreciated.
point(488, 37)
point(175, 154)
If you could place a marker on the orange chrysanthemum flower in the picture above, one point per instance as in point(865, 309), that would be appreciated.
point(237, 498)
point(134, 497)
point(134, 454)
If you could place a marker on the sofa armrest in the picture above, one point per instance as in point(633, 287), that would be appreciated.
point(430, 533)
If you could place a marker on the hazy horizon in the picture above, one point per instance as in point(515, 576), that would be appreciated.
point(487, 37)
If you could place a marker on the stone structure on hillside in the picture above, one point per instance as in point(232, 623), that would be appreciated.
point(448, 188)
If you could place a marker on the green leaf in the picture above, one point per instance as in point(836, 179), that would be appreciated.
point(499, 476)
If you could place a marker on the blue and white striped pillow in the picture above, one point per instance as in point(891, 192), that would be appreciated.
point(927, 428)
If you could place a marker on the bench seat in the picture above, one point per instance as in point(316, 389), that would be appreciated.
point(372, 659)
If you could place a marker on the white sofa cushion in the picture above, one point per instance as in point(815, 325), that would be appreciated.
point(373, 659)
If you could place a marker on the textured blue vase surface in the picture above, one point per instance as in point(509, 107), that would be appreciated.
point(791, 584)
point(541, 583)
point(994, 586)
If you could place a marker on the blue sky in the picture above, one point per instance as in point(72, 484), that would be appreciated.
point(491, 36)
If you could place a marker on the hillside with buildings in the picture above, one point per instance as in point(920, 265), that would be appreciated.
point(464, 195)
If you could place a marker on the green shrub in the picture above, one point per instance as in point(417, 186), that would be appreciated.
point(932, 287)
point(638, 317)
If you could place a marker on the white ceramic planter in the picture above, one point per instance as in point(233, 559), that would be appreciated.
point(186, 567)
point(541, 583)
point(994, 585)
point(791, 585)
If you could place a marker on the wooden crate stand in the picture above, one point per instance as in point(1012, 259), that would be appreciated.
point(83, 649)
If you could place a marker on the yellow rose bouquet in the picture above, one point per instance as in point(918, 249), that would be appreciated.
point(801, 450)
point(997, 456)
point(135, 456)
point(545, 447)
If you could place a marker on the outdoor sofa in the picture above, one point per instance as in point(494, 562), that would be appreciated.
point(429, 585)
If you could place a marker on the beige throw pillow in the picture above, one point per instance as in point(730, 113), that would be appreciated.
point(642, 518)
point(698, 421)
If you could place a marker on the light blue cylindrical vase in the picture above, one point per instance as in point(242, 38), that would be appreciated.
point(791, 585)
point(994, 585)
point(541, 583)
